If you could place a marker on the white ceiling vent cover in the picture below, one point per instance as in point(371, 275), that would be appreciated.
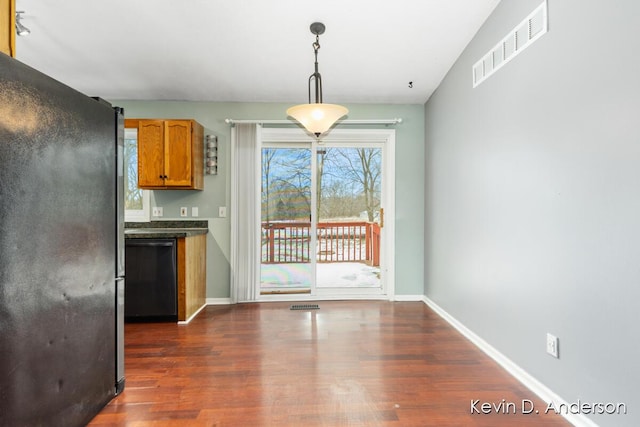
point(521, 37)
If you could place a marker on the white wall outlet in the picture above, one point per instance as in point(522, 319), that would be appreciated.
point(156, 211)
point(552, 346)
point(184, 211)
point(222, 211)
point(194, 211)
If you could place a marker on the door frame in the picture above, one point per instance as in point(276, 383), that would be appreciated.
point(387, 250)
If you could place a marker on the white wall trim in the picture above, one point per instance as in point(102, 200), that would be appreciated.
point(218, 301)
point(309, 297)
point(542, 391)
point(408, 298)
point(184, 322)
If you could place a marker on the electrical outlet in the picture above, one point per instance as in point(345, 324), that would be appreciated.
point(183, 211)
point(222, 211)
point(156, 211)
point(552, 346)
point(194, 211)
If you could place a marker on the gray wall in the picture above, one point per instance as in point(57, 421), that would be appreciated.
point(409, 181)
point(532, 215)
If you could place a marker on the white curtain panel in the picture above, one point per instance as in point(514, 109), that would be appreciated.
point(245, 212)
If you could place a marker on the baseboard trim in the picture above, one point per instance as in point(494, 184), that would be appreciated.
point(408, 298)
point(184, 322)
point(218, 301)
point(542, 391)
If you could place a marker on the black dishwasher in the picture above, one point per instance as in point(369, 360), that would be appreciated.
point(151, 288)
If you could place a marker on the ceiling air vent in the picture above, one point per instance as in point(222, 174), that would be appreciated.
point(521, 37)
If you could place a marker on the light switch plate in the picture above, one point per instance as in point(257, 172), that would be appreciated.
point(194, 211)
point(222, 211)
point(183, 211)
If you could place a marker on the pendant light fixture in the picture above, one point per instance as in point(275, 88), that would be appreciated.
point(317, 117)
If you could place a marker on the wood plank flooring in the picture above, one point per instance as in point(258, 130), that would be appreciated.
point(350, 363)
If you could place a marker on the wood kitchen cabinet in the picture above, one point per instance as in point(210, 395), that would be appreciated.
point(170, 154)
point(192, 275)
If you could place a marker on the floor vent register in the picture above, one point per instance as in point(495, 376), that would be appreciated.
point(305, 307)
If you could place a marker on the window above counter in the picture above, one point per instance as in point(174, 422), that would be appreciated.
point(136, 200)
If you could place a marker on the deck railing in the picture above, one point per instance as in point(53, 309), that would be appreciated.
point(289, 242)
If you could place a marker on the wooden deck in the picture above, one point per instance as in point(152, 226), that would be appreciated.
point(350, 363)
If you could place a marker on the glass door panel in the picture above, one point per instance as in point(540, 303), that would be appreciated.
point(348, 186)
point(286, 243)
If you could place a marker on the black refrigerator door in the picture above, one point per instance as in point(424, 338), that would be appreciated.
point(57, 248)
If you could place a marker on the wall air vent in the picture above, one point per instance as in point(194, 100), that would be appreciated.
point(521, 37)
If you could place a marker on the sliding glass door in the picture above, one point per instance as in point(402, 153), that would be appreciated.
point(322, 225)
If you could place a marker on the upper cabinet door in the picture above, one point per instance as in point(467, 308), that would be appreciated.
point(177, 158)
point(151, 153)
point(170, 154)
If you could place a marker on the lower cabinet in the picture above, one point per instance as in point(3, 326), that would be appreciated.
point(165, 278)
point(192, 275)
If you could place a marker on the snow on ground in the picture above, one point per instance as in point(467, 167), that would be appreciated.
point(329, 275)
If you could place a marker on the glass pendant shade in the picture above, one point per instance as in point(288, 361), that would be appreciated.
point(317, 118)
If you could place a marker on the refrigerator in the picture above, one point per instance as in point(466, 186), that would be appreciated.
point(61, 251)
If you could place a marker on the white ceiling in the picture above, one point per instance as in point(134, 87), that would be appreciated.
point(249, 50)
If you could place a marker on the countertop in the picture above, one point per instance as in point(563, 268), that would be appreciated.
point(165, 229)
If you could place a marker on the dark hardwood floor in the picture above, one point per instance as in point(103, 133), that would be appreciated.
point(350, 363)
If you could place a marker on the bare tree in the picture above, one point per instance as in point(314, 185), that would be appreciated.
point(286, 181)
point(267, 158)
point(362, 167)
point(347, 182)
point(320, 161)
point(133, 195)
point(370, 178)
